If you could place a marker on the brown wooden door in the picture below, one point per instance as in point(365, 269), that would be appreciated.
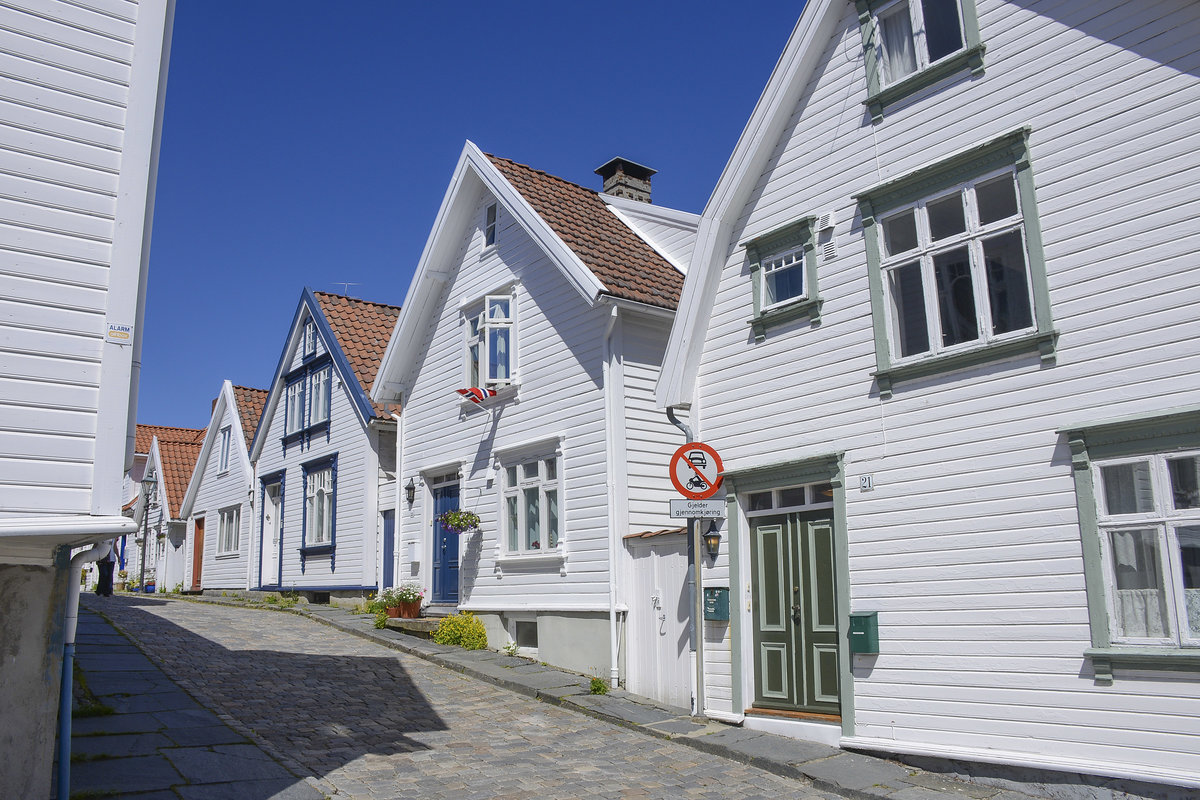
point(197, 554)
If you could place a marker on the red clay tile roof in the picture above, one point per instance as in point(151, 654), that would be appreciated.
point(145, 433)
point(628, 267)
point(648, 534)
point(362, 329)
point(178, 461)
point(250, 404)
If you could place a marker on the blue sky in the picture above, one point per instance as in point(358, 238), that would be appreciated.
point(310, 144)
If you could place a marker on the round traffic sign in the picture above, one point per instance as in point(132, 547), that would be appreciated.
point(696, 471)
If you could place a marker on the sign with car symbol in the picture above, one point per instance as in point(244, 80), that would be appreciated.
point(696, 471)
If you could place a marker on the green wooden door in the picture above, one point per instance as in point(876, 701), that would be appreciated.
point(795, 613)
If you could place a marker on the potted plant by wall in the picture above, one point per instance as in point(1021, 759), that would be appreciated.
point(459, 521)
point(122, 579)
point(403, 601)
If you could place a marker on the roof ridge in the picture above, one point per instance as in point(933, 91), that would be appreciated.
point(249, 388)
point(543, 172)
point(355, 299)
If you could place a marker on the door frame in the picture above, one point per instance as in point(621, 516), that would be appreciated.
point(825, 468)
point(433, 480)
point(265, 482)
point(198, 554)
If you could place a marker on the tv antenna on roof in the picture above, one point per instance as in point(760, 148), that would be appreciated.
point(346, 286)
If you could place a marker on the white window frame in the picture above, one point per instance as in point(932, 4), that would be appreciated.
point(812, 501)
point(491, 219)
point(774, 264)
point(294, 406)
point(223, 453)
point(309, 346)
point(1164, 521)
point(229, 530)
point(318, 507)
point(516, 482)
point(481, 327)
point(925, 252)
point(320, 395)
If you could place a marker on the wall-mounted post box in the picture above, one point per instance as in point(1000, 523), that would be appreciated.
point(716, 603)
point(864, 633)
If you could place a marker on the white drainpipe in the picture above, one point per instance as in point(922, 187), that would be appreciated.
point(397, 492)
point(613, 636)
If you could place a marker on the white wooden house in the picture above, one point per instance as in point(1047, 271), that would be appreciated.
point(322, 452)
point(170, 456)
point(80, 114)
point(939, 323)
point(553, 302)
point(219, 503)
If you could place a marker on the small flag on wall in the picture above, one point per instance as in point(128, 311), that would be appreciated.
point(476, 394)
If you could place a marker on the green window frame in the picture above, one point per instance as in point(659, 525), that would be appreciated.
point(794, 239)
point(880, 93)
point(1173, 431)
point(1009, 151)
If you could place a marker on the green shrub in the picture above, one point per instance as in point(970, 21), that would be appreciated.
point(598, 686)
point(464, 630)
point(381, 619)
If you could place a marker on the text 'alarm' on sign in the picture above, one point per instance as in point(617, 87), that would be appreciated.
point(696, 471)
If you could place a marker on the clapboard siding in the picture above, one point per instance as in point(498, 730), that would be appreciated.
point(969, 544)
point(651, 438)
point(218, 490)
point(64, 82)
point(558, 356)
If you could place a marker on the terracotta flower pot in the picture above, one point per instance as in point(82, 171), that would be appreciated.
point(410, 609)
point(393, 611)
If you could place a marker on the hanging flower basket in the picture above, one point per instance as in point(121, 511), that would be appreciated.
point(459, 521)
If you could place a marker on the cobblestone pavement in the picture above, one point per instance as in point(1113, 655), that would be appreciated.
point(369, 722)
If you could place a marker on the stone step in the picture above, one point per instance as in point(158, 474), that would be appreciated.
point(439, 610)
point(423, 628)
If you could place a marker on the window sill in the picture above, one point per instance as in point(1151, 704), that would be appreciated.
point(227, 556)
point(781, 315)
point(316, 550)
point(504, 394)
point(531, 559)
point(1171, 659)
point(969, 59)
point(296, 436)
point(1042, 343)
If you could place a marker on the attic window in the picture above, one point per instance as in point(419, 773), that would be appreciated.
point(489, 226)
point(310, 339)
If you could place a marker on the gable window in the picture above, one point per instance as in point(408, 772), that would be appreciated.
point(308, 396)
point(320, 502)
point(955, 264)
point(310, 339)
point(783, 274)
point(1137, 486)
point(489, 345)
point(228, 533)
point(911, 44)
point(531, 507)
point(318, 384)
point(295, 406)
point(489, 225)
point(223, 458)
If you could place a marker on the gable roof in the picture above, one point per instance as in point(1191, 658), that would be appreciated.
point(362, 329)
point(596, 251)
point(178, 460)
point(250, 404)
point(146, 433)
point(628, 267)
point(355, 332)
point(796, 65)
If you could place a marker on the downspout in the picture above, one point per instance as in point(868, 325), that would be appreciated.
point(70, 623)
point(694, 598)
point(396, 492)
point(614, 672)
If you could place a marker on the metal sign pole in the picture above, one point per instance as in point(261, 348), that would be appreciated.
point(698, 613)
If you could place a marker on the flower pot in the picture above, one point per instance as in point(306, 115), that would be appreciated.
point(410, 609)
point(393, 611)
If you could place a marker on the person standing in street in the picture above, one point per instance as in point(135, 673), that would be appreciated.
point(104, 586)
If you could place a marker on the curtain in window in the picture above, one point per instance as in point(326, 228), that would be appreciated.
point(899, 57)
point(1139, 602)
point(1189, 560)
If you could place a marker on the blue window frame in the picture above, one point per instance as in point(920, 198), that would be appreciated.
point(319, 518)
point(308, 397)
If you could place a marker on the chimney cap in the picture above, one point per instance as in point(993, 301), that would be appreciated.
point(630, 168)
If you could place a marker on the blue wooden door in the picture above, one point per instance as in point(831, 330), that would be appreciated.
point(389, 548)
point(445, 546)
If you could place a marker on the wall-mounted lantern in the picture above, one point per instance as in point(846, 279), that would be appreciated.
point(410, 491)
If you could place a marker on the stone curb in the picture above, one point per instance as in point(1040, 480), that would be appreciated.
point(832, 772)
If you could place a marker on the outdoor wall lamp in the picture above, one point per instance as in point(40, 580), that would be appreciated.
point(410, 491)
point(712, 540)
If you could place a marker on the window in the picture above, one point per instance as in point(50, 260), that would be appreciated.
point(320, 501)
point(223, 459)
point(783, 272)
point(489, 226)
point(531, 508)
point(318, 385)
point(1137, 486)
point(773, 501)
point(310, 339)
point(308, 396)
point(955, 264)
point(228, 539)
point(911, 44)
point(489, 354)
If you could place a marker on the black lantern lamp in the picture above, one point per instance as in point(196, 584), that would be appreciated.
point(712, 540)
point(410, 491)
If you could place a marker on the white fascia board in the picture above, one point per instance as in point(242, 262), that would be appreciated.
point(473, 171)
point(225, 401)
point(623, 209)
point(767, 122)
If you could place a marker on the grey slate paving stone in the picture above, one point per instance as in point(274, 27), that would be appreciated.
point(177, 700)
point(676, 726)
point(293, 789)
point(116, 723)
point(854, 771)
point(123, 775)
point(188, 717)
point(619, 708)
point(104, 683)
point(204, 735)
point(115, 662)
point(119, 746)
point(239, 762)
point(941, 784)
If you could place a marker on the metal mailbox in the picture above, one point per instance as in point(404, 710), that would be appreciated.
point(864, 632)
point(716, 603)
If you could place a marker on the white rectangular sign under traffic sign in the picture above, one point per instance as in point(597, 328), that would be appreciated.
point(698, 509)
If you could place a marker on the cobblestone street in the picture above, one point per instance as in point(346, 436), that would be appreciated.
point(369, 722)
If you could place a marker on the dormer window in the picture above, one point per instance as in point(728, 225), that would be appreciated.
point(489, 226)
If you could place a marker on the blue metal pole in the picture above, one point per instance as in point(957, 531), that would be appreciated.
point(64, 722)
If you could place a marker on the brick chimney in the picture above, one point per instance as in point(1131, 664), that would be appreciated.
point(625, 178)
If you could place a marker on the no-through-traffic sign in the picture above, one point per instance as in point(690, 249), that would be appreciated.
point(696, 471)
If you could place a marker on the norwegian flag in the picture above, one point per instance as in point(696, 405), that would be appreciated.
point(476, 394)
